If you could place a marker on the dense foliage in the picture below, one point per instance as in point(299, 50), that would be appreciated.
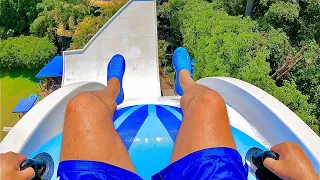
point(51, 24)
point(245, 39)
point(239, 47)
point(16, 15)
point(26, 51)
point(299, 19)
point(165, 61)
point(307, 75)
point(86, 29)
point(76, 18)
point(58, 15)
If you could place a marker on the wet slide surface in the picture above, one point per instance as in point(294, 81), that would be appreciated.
point(132, 32)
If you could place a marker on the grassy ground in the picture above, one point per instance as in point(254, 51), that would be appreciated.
point(14, 85)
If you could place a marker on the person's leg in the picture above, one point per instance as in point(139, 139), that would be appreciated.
point(205, 121)
point(89, 133)
point(204, 147)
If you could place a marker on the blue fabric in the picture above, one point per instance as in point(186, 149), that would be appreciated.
point(24, 105)
point(181, 60)
point(53, 69)
point(213, 163)
point(116, 68)
point(91, 170)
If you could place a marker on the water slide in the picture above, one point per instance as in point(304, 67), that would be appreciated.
point(257, 118)
point(132, 32)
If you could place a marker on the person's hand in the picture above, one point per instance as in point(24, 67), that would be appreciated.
point(10, 167)
point(293, 164)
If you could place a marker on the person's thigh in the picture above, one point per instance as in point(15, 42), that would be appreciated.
point(89, 133)
point(205, 122)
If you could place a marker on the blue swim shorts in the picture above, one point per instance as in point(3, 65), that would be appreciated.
point(213, 163)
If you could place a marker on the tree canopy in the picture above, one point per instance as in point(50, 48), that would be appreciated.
point(250, 50)
point(48, 25)
point(26, 51)
point(17, 15)
point(273, 44)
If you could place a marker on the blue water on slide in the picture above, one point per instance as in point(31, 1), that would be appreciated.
point(149, 132)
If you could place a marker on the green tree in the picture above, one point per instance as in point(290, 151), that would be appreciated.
point(17, 14)
point(232, 46)
point(87, 28)
point(165, 61)
point(85, 31)
point(309, 21)
point(60, 15)
point(26, 51)
point(70, 15)
point(299, 19)
point(276, 41)
point(307, 75)
point(256, 73)
point(164, 15)
point(83, 2)
point(40, 26)
point(235, 7)
point(284, 15)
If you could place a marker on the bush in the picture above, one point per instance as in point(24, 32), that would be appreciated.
point(26, 52)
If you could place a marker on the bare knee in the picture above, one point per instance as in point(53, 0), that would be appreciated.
point(211, 97)
point(203, 98)
point(86, 101)
point(81, 102)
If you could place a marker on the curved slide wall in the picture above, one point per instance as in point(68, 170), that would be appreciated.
point(131, 32)
point(261, 113)
point(274, 121)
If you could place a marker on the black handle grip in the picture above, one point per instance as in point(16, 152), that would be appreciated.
point(262, 172)
point(42, 164)
point(265, 154)
point(38, 166)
